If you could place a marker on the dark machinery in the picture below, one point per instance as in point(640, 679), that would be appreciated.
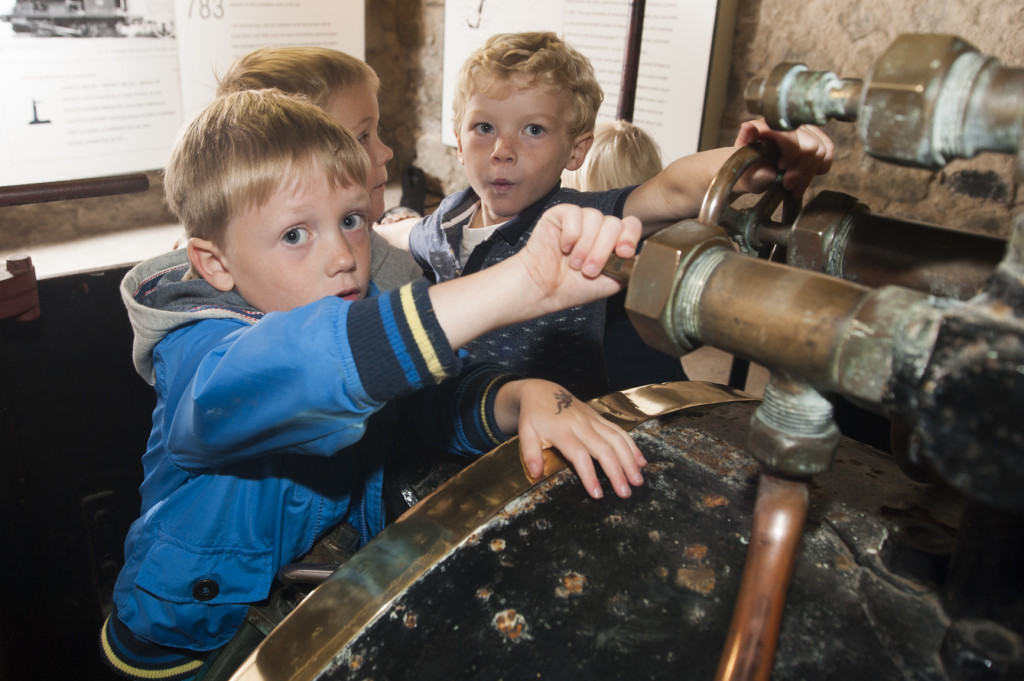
point(854, 568)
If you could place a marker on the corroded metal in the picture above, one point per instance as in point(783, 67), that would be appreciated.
point(792, 432)
point(893, 350)
point(792, 95)
point(338, 609)
point(838, 235)
point(929, 99)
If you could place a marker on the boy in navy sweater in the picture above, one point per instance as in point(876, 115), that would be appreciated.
point(525, 108)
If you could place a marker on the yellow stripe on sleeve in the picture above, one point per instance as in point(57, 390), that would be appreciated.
point(483, 413)
point(419, 334)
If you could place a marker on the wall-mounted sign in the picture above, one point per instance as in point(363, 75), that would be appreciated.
point(101, 87)
point(677, 72)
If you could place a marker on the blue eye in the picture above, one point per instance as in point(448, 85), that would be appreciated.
point(353, 221)
point(483, 128)
point(296, 236)
point(533, 129)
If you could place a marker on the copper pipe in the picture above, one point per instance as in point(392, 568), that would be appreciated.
point(43, 192)
point(779, 515)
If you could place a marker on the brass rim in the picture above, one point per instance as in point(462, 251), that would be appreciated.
point(336, 611)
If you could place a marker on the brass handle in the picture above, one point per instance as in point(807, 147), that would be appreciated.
point(619, 269)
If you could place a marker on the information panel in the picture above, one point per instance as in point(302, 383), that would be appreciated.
point(102, 87)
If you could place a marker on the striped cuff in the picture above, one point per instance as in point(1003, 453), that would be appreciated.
point(134, 658)
point(475, 397)
point(402, 320)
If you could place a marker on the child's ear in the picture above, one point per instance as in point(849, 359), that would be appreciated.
point(458, 146)
point(580, 147)
point(209, 263)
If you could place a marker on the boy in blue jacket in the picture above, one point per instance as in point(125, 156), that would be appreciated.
point(274, 362)
point(524, 110)
point(347, 88)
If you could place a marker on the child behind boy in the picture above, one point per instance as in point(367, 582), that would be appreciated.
point(524, 110)
point(275, 373)
point(347, 89)
point(624, 155)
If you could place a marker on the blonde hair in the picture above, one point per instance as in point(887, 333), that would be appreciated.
point(541, 59)
point(318, 73)
point(622, 155)
point(241, 147)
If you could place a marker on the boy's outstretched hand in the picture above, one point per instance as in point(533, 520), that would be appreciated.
point(559, 267)
point(803, 153)
point(568, 249)
point(548, 415)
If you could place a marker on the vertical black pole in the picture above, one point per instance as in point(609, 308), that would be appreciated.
point(631, 64)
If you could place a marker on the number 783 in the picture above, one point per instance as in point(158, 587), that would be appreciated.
point(206, 9)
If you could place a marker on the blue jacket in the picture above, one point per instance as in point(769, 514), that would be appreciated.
point(567, 346)
point(267, 431)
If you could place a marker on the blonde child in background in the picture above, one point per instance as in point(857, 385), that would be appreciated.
point(624, 155)
point(346, 88)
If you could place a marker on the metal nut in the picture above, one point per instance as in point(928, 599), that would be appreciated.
point(655, 279)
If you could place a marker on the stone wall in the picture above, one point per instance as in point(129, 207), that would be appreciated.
point(843, 37)
point(846, 38)
point(405, 45)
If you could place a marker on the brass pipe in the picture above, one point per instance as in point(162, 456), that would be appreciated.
point(747, 308)
point(688, 288)
point(779, 515)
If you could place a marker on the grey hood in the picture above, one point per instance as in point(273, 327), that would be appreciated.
point(158, 301)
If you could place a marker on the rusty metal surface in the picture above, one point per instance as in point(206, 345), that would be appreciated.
point(971, 439)
point(557, 585)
